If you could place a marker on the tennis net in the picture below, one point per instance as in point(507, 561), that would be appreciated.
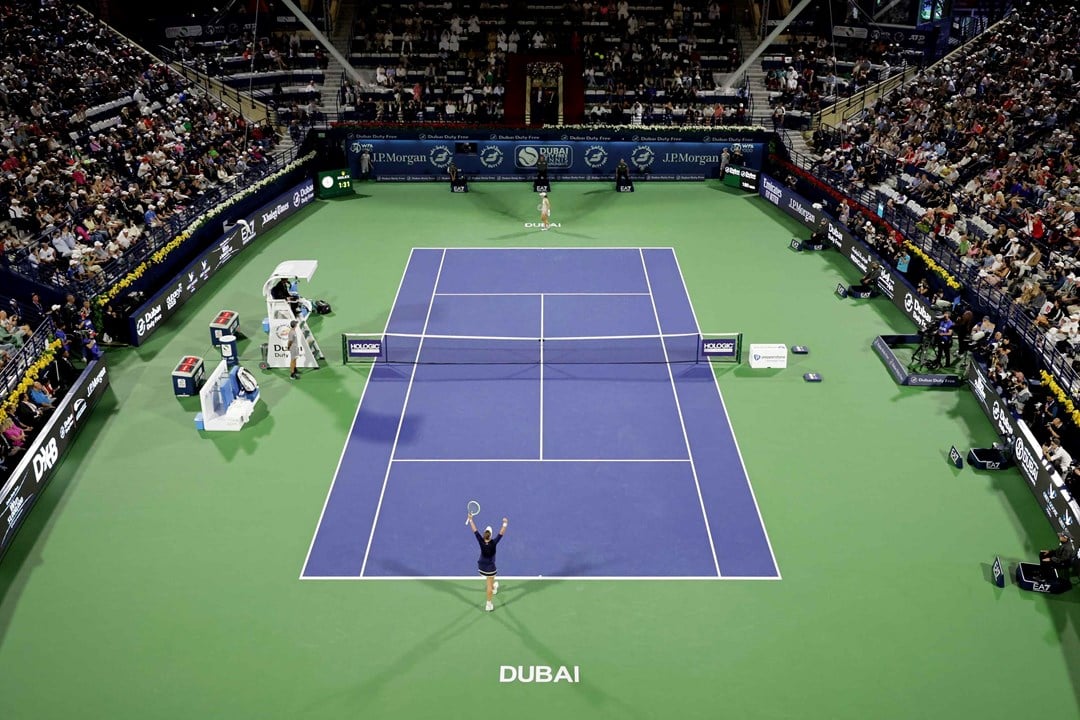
point(403, 348)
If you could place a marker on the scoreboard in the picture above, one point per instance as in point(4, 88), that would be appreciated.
point(334, 183)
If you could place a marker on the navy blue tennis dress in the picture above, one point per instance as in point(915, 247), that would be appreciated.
point(486, 563)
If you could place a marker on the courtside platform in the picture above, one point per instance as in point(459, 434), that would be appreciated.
point(608, 445)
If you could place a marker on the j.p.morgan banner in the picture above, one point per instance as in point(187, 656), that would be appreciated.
point(1051, 494)
point(179, 290)
point(891, 284)
point(406, 160)
point(28, 481)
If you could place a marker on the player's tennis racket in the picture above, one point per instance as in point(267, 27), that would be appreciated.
point(540, 207)
point(473, 508)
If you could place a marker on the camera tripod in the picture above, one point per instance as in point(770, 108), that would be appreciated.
point(925, 356)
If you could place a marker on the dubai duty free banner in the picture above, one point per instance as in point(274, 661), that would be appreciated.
point(408, 160)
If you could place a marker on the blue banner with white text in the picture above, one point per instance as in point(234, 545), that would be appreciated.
point(414, 159)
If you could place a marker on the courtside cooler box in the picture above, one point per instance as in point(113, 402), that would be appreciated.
point(188, 376)
point(227, 322)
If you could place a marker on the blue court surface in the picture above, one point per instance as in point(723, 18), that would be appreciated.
point(607, 444)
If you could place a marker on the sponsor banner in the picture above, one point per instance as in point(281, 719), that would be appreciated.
point(518, 178)
point(724, 348)
point(363, 349)
point(181, 288)
point(742, 177)
point(1047, 486)
point(768, 355)
point(30, 477)
point(955, 458)
point(892, 284)
point(999, 573)
point(518, 159)
point(896, 368)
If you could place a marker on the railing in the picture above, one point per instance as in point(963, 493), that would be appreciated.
point(848, 107)
point(31, 350)
point(844, 109)
point(252, 110)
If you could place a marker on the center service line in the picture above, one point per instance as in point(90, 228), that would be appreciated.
point(541, 376)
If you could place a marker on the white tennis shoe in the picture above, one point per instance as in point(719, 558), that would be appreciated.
point(489, 606)
point(495, 588)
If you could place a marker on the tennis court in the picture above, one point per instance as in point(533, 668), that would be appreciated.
point(564, 388)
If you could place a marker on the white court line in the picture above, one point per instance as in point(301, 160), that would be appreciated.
point(356, 414)
point(731, 427)
point(401, 420)
point(541, 377)
point(536, 294)
point(534, 578)
point(547, 460)
point(518, 248)
point(678, 407)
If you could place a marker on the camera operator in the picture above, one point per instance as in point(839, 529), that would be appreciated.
point(963, 330)
point(944, 340)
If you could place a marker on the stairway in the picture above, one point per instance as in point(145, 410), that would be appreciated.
point(342, 41)
point(759, 96)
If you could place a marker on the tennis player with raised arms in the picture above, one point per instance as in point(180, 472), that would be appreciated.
point(486, 563)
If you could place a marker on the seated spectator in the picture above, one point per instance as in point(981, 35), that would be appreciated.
point(40, 397)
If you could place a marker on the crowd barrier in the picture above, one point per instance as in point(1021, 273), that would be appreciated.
point(1047, 486)
point(892, 284)
point(168, 299)
point(1060, 508)
point(33, 473)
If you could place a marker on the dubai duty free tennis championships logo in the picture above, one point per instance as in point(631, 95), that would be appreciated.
point(440, 156)
point(642, 157)
point(491, 156)
point(557, 156)
point(596, 156)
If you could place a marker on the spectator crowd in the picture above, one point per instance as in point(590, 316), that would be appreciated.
point(978, 154)
point(101, 147)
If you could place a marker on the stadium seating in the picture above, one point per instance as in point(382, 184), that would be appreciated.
point(107, 154)
point(976, 158)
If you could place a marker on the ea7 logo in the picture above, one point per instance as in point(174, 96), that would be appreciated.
point(1041, 587)
point(247, 229)
point(45, 459)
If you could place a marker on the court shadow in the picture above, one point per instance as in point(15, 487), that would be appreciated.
point(596, 696)
point(25, 553)
point(453, 588)
point(580, 236)
point(245, 441)
point(749, 372)
point(393, 669)
point(493, 202)
point(513, 236)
